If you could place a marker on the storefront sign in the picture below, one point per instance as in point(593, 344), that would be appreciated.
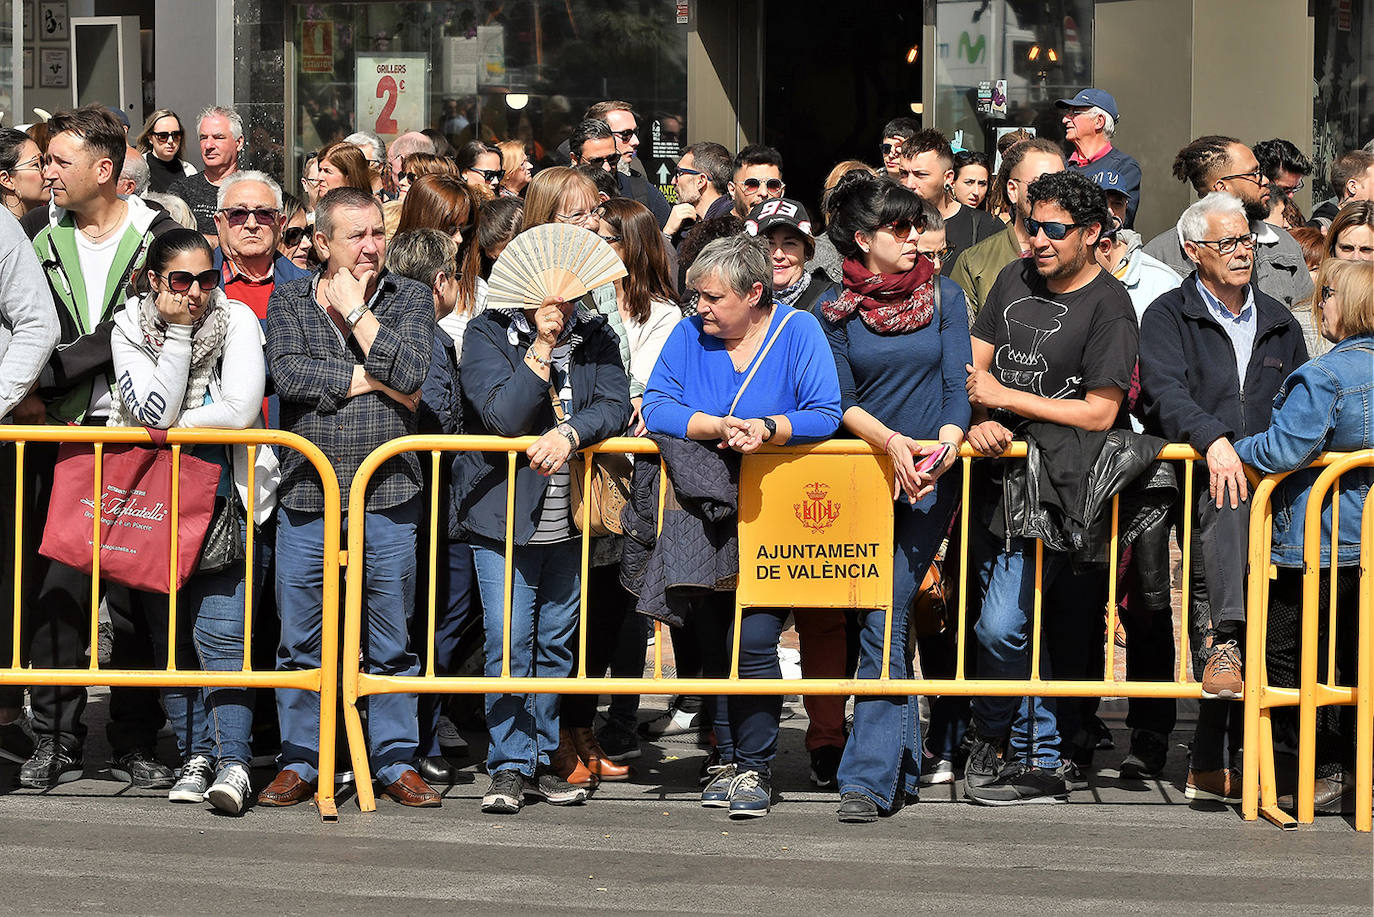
point(984, 97)
point(999, 99)
point(391, 94)
point(826, 540)
point(317, 46)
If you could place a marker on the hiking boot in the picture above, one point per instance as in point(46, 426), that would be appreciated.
point(1020, 784)
point(751, 795)
point(506, 793)
point(50, 765)
point(825, 764)
point(231, 790)
point(856, 808)
point(141, 769)
point(1145, 760)
point(193, 780)
point(716, 795)
point(554, 790)
point(1221, 675)
point(984, 759)
point(1218, 786)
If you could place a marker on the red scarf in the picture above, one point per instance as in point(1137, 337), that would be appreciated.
point(886, 303)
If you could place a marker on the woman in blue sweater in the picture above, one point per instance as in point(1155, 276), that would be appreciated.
point(702, 389)
point(899, 333)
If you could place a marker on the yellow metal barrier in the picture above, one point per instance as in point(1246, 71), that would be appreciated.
point(323, 681)
point(1260, 791)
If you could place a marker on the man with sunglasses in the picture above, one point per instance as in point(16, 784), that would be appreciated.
point(925, 164)
point(895, 133)
point(594, 144)
point(758, 177)
point(249, 222)
point(702, 180)
point(1213, 355)
point(1217, 163)
point(1056, 342)
point(1090, 120)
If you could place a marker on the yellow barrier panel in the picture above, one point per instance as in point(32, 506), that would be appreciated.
point(759, 590)
point(323, 681)
point(1260, 791)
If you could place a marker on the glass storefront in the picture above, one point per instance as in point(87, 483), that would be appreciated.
point(473, 69)
point(1342, 116)
point(1002, 64)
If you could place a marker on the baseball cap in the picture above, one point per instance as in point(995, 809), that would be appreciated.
point(779, 212)
point(1092, 98)
point(119, 115)
point(1110, 180)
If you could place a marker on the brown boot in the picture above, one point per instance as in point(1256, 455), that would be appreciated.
point(566, 763)
point(592, 754)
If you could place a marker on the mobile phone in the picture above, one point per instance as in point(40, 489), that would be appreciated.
point(934, 460)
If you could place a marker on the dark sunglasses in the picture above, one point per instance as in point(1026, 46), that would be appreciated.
point(939, 255)
point(1327, 292)
point(890, 148)
point(626, 134)
point(607, 163)
point(490, 176)
point(292, 236)
point(237, 216)
point(166, 136)
point(408, 176)
point(774, 185)
point(1052, 230)
point(180, 281)
point(678, 171)
point(902, 228)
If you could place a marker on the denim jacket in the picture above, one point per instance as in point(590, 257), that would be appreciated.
point(1326, 404)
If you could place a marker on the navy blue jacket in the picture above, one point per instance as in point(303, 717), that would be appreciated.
point(1124, 169)
point(502, 396)
point(1188, 386)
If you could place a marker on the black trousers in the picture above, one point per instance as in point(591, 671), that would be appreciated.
point(616, 637)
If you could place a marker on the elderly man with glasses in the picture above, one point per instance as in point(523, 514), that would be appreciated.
point(1090, 120)
point(1213, 354)
point(248, 220)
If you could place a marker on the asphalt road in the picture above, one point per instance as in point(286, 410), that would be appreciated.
point(646, 847)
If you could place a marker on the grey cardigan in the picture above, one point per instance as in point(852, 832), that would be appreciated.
point(28, 320)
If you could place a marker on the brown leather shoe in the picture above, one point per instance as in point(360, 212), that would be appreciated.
point(286, 789)
point(568, 765)
point(411, 790)
point(591, 753)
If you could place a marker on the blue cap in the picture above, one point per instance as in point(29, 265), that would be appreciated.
point(119, 115)
point(1092, 98)
point(1110, 180)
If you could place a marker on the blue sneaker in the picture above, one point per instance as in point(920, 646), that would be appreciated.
point(751, 795)
point(717, 792)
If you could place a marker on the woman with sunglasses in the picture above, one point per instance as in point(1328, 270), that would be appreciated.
point(21, 173)
point(295, 243)
point(416, 165)
point(515, 162)
point(899, 335)
point(161, 145)
point(1326, 405)
point(479, 164)
point(170, 346)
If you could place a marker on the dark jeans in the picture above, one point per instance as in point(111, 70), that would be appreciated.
point(616, 637)
point(456, 606)
point(1075, 615)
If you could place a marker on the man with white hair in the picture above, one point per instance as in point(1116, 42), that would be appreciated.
point(403, 146)
point(134, 175)
point(1089, 123)
point(1213, 354)
point(374, 150)
point(248, 223)
point(221, 140)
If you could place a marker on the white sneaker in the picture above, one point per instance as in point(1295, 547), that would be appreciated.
point(231, 789)
point(192, 781)
point(450, 739)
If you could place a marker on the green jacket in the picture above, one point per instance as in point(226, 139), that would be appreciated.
point(977, 267)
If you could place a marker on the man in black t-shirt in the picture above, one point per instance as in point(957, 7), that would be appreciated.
point(1056, 341)
point(220, 130)
point(926, 166)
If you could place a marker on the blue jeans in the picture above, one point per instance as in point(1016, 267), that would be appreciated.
point(544, 604)
point(883, 754)
point(389, 600)
point(1004, 649)
point(215, 722)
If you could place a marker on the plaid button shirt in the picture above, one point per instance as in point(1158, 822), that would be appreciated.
point(312, 366)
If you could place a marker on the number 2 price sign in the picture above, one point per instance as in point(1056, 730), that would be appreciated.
point(392, 95)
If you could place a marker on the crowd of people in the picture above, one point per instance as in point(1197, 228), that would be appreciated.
point(934, 301)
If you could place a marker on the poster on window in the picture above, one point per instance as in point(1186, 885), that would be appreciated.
point(317, 46)
point(392, 96)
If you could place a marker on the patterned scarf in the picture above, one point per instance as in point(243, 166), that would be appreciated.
point(789, 295)
point(207, 346)
point(887, 303)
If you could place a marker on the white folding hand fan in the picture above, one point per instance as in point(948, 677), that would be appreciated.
point(555, 259)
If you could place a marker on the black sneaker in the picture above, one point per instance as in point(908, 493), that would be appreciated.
point(619, 742)
point(1020, 784)
point(140, 768)
point(984, 760)
point(15, 744)
point(1149, 751)
point(825, 763)
point(50, 765)
point(554, 790)
point(506, 793)
point(856, 808)
point(1075, 775)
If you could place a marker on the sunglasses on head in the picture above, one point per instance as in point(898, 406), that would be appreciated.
point(774, 185)
point(166, 136)
point(1052, 230)
point(292, 237)
point(626, 134)
point(237, 216)
point(180, 281)
point(490, 176)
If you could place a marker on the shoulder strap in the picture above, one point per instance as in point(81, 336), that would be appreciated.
point(935, 295)
point(758, 361)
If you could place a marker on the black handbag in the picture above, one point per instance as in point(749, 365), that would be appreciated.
point(224, 541)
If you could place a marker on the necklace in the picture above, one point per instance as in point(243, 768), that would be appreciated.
point(96, 237)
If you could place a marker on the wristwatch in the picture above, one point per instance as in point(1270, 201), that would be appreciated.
point(353, 317)
point(771, 426)
point(568, 432)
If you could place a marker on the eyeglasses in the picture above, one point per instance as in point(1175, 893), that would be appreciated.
point(679, 171)
point(33, 165)
point(602, 162)
point(311, 182)
point(490, 176)
point(937, 256)
point(577, 216)
point(1228, 245)
point(1290, 189)
point(237, 216)
point(166, 136)
point(1052, 230)
point(774, 185)
point(1327, 292)
point(902, 228)
point(180, 281)
point(889, 149)
point(408, 176)
point(291, 237)
point(1256, 175)
point(610, 239)
point(626, 134)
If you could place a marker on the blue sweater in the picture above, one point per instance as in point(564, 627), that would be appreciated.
point(913, 383)
point(796, 380)
point(1126, 172)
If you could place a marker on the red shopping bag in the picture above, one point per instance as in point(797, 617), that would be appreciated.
point(136, 512)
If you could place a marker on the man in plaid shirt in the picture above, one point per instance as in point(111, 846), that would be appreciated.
point(348, 349)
